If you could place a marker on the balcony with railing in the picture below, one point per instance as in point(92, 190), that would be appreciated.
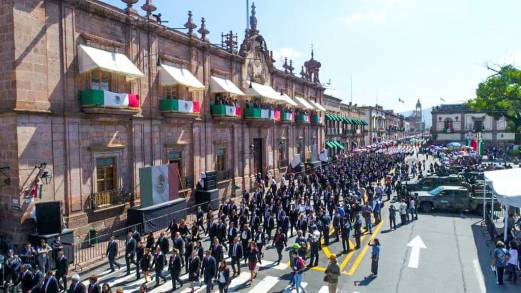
point(303, 118)
point(108, 198)
point(225, 112)
point(316, 119)
point(97, 101)
point(262, 114)
point(287, 116)
point(179, 108)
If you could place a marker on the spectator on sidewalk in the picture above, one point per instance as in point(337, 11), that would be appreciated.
point(375, 256)
point(513, 262)
point(499, 261)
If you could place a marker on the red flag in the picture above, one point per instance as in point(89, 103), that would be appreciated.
point(238, 111)
point(197, 107)
point(277, 115)
point(35, 189)
point(474, 145)
point(133, 101)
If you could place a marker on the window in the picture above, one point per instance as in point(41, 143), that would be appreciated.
point(220, 159)
point(100, 80)
point(447, 124)
point(478, 125)
point(171, 92)
point(106, 178)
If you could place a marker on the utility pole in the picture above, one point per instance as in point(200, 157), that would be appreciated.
point(351, 89)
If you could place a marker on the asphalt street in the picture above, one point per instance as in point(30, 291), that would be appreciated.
point(439, 252)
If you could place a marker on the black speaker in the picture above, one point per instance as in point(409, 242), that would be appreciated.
point(48, 218)
point(210, 182)
point(208, 199)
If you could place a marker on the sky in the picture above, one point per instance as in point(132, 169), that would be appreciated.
point(432, 50)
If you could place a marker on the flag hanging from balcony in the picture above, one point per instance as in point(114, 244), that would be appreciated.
point(197, 106)
point(158, 184)
point(186, 106)
point(101, 98)
point(230, 111)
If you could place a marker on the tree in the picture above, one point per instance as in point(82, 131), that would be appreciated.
point(500, 96)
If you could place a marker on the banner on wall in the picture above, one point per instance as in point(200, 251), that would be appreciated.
point(158, 184)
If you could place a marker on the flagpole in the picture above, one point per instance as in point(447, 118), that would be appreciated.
point(247, 14)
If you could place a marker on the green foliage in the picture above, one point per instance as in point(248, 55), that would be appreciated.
point(500, 95)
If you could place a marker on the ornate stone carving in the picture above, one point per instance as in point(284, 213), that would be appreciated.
point(190, 25)
point(203, 31)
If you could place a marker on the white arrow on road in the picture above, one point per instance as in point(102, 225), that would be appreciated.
point(416, 244)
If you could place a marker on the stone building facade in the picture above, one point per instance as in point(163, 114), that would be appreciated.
point(94, 152)
point(383, 124)
point(343, 124)
point(457, 123)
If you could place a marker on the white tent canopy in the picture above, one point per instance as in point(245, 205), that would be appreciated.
point(506, 184)
point(92, 58)
point(170, 75)
point(305, 104)
point(263, 91)
point(221, 85)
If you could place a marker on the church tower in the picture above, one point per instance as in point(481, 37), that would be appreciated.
point(418, 111)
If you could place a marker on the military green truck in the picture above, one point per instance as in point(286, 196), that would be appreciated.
point(430, 182)
point(452, 198)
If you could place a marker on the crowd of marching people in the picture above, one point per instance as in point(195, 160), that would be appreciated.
point(335, 202)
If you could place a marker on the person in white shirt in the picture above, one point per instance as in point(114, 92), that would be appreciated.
point(403, 212)
point(513, 262)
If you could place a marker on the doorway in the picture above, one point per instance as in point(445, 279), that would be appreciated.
point(257, 155)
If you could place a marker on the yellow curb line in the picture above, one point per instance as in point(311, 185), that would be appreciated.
point(364, 251)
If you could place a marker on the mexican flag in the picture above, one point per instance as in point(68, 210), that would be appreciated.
point(265, 114)
point(185, 106)
point(238, 111)
point(277, 115)
point(288, 116)
point(158, 184)
point(230, 111)
point(101, 98)
point(181, 106)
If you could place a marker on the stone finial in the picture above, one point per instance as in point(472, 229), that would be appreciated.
point(285, 66)
point(302, 72)
point(253, 20)
point(148, 7)
point(290, 67)
point(129, 5)
point(190, 25)
point(203, 30)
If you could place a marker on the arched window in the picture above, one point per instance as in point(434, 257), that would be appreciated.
point(447, 125)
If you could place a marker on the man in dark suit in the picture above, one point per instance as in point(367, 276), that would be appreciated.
point(93, 285)
point(37, 280)
point(232, 233)
point(25, 279)
point(174, 267)
point(50, 284)
point(62, 269)
point(209, 270)
point(235, 253)
point(159, 264)
point(112, 253)
point(163, 244)
point(179, 244)
point(130, 251)
point(76, 285)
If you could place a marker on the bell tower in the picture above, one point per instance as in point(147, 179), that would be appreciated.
point(418, 111)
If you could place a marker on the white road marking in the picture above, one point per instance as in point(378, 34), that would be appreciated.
point(323, 289)
point(416, 244)
point(479, 275)
point(238, 281)
point(265, 285)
